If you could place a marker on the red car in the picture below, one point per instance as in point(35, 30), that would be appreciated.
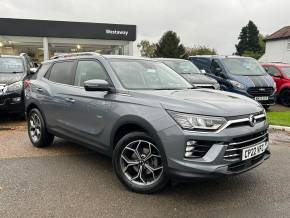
point(281, 75)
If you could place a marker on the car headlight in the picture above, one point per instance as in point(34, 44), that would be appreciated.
point(197, 122)
point(236, 84)
point(217, 86)
point(15, 86)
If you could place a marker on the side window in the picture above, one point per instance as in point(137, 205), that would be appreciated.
point(42, 69)
point(273, 70)
point(62, 72)
point(87, 70)
point(215, 68)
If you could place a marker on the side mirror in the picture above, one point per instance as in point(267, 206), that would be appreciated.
point(97, 85)
point(277, 75)
point(33, 70)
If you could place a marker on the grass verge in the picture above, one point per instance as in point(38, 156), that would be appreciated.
point(279, 118)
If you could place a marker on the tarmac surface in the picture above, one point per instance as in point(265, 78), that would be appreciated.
point(66, 180)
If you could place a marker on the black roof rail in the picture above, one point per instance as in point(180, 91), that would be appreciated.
point(66, 55)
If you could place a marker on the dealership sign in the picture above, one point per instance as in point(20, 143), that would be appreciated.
point(65, 29)
point(117, 32)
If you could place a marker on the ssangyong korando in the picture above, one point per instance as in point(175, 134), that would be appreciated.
point(149, 119)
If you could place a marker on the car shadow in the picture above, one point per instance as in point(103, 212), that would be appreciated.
point(198, 191)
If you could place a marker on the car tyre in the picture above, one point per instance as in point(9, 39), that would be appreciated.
point(37, 131)
point(140, 164)
point(285, 97)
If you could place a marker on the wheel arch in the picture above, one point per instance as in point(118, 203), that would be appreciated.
point(130, 124)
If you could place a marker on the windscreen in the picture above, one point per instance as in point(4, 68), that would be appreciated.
point(147, 75)
point(243, 66)
point(11, 65)
point(182, 67)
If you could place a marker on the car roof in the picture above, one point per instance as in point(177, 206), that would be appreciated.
point(10, 56)
point(276, 64)
point(74, 56)
point(217, 56)
point(170, 59)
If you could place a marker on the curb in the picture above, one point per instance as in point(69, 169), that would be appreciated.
point(282, 128)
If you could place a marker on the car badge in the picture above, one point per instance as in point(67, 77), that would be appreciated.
point(252, 120)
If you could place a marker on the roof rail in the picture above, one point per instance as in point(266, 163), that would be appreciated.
point(66, 55)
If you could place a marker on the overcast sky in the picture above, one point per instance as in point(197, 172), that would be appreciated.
point(215, 23)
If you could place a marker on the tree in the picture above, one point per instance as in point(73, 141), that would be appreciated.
point(242, 46)
point(169, 46)
point(251, 43)
point(147, 49)
point(200, 50)
point(253, 37)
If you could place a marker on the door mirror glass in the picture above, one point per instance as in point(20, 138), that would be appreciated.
point(33, 70)
point(277, 74)
point(96, 85)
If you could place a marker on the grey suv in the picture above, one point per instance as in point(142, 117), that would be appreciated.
point(149, 119)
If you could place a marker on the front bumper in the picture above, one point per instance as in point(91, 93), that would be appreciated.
point(12, 102)
point(213, 163)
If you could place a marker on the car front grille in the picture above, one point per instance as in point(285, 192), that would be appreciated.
point(235, 147)
point(261, 91)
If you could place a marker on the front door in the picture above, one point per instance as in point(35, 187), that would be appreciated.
point(89, 110)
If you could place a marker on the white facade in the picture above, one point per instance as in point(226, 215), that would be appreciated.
point(277, 51)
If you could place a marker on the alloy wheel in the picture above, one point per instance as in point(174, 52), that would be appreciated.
point(35, 127)
point(141, 163)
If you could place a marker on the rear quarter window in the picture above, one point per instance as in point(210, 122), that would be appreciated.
point(62, 72)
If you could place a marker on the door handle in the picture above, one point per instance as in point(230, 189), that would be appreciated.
point(39, 89)
point(70, 100)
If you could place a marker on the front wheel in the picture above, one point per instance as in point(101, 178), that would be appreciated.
point(139, 163)
point(285, 97)
point(37, 131)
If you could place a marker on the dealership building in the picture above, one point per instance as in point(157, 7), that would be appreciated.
point(42, 39)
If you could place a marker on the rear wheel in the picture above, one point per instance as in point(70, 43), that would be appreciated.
point(139, 163)
point(37, 131)
point(285, 97)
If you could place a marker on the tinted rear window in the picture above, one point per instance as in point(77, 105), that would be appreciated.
point(62, 72)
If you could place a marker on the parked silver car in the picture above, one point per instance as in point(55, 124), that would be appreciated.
point(145, 116)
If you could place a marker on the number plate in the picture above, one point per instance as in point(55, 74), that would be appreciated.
point(262, 98)
point(254, 151)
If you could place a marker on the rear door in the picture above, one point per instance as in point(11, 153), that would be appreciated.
point(59, 82)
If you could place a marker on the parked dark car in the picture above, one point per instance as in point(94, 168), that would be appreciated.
point(14, 70)
point(242, 75)
point(190, 72)
point(148, 118)
point(281, 75)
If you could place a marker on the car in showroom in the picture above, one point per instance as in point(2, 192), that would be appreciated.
point(150, 120)
point(280, 73)
point(14, 70)
point(242, 75)
point(190, 72)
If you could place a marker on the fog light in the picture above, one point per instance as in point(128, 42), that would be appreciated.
point(190, 143)
point(188, 154)
point(189, 148)
point(15, 100)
